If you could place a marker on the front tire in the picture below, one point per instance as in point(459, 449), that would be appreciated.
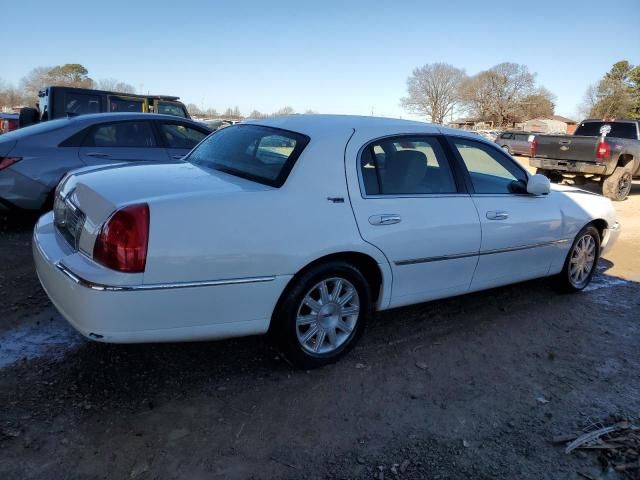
point(618, 185)
point(323, 314)
point(581, 261)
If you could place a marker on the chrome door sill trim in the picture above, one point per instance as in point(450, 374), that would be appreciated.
point(157, 286)
point(484, 252)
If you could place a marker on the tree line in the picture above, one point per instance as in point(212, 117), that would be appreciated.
point(504, 93)
point(508, 92)
point(76, 75)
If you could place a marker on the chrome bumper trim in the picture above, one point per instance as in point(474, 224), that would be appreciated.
point(484, 252)
point(156, 286)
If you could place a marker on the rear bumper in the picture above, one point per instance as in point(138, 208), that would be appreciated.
point(143, 313)
point(568, 166)
point(609, 238)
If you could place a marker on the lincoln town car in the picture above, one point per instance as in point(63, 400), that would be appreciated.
point(303, 226)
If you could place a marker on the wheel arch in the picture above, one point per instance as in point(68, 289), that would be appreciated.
point(601, 225)
point(362, 261)
point(624, 159)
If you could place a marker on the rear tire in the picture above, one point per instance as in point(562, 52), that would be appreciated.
point(581, 261)
point(506, 149)
point(618, 185)
point(322, 315)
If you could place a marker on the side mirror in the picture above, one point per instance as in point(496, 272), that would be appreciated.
point(538, 185)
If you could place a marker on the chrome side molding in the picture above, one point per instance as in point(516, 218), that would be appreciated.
point(157, 286)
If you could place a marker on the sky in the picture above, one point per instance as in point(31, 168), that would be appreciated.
point(350, 57)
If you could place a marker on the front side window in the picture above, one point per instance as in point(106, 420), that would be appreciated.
point(490, 170)
point(169, 108)
point(121, 134)
point(181, 136)
point(406, 166)
point(261, 154)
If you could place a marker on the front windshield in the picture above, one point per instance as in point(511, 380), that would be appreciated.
point(261, 154)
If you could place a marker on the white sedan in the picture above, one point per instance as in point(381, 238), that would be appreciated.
point(302, 226)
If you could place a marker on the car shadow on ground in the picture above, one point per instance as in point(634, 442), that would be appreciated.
point(114, 376)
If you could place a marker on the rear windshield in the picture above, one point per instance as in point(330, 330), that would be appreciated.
point(618, 130)
point(36, 129)
point(261, 154)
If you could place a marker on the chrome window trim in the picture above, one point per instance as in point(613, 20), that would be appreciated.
point(414, 261)
point(156, 286)
point(363, 190)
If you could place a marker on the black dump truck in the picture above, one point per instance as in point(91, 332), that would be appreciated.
point(602, 150)
point(57, 102)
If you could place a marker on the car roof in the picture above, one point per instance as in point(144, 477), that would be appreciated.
point(324, 125)
point(106, 116)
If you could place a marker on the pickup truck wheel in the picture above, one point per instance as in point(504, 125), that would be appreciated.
point(618, 185)
point(323, 314)
point(506, 149)
point(581, 261)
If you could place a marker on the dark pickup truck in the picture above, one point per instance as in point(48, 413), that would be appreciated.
point(607, 151)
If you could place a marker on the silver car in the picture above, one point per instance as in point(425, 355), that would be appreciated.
point(34, 159)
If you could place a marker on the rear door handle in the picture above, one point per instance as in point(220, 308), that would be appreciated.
point(98, 154)
point(497, 215)
point(385, 219)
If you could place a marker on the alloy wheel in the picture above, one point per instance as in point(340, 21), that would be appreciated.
point(327, 315)
point(582, 261)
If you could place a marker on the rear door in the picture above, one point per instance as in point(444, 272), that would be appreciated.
point(129, 140)
point(180, 137)
point(521, 233)
point(408, 204)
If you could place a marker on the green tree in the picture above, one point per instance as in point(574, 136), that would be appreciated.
point(617, 94)
point(67, 75)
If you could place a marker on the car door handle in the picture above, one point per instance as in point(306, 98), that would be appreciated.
point(98, 154)
point(497, 215)
point(177, 157)
point(385, 219)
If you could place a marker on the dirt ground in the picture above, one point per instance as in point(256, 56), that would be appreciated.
point(471, 387)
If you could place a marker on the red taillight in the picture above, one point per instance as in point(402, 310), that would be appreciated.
point(604, 150)
point(532, 148)
point(122, 243)
point(8, 161)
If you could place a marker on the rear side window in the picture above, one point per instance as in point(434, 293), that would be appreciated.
point(181, 136)
point(406, 166)
point(81, 103)
point(122, 134)
point(261, 154)
point(618, 130)
point(521, 137)
point(119, 104)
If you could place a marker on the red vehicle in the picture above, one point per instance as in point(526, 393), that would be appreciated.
point(8, 122)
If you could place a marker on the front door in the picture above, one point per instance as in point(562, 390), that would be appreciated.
point(408, 204)
point(521, 233)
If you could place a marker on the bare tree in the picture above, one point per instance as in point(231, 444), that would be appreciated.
point(284, 111)
point(113, 85)
point(310, 112)
point(539, 104)
point(257, 115)
point(498, 93)
point(432, 91)
point(193, 109)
